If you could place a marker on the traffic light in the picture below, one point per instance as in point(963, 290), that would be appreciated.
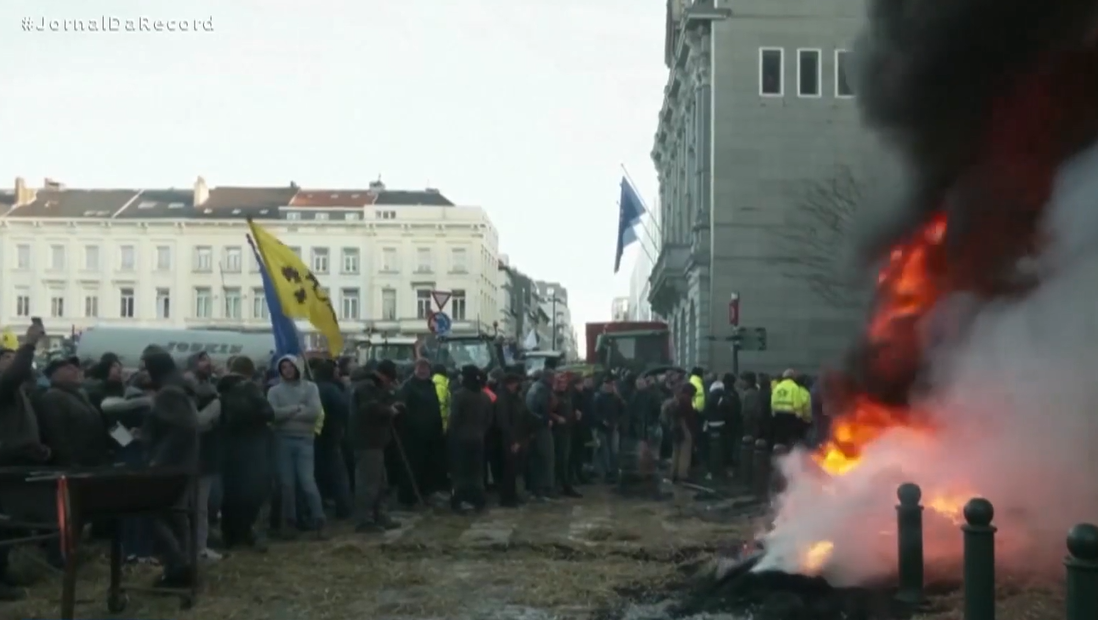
point(750, 338)
point(760, 338)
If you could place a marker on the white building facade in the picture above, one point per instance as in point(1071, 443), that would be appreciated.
point(187, 264)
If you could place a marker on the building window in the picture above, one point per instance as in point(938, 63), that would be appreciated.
point(771, 72)
point(203, 303)
point(125, 303)
point(57, 307)
point(349, 300)
point(259, 304)
point(234, 259)
point(809, 76)
point(423, 303)
point(128, 258)
point(91, 258)
point(389, 260)
point(163, 303)
point(842, 85)
point(351, 216)
point(423, 260)
point(23, 304)
point(385, 215)
point(457, 305)
point(293, 215)
point(320, 260)
point(57, 257)
point(232, 303)
point(350, 260)
point(203, 259)
point(91, 306)
point(320, 216)
point(23, 256)
point(163, 258)
point(389, 305)
point(459, 260)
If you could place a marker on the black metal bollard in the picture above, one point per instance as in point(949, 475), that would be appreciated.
point(777, 480)
point(979, 572)
point(909, 523)
point(1082, 572)
point(760, 471)
point(743, 471)
point(716, 452)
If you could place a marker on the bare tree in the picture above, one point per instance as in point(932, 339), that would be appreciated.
point(816, 240)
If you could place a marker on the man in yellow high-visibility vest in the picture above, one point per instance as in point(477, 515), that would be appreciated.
point(791, 408)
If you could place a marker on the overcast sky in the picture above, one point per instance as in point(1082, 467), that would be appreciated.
point(525, 107)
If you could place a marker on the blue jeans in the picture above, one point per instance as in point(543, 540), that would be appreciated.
point(606, 455)
point(296, 469)
point(136, 531)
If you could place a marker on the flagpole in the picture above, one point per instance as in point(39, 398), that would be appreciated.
point(647, 231)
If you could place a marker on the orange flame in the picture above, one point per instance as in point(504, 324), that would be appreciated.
point(907, 288)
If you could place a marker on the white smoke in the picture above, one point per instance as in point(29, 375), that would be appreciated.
point(1017, 402)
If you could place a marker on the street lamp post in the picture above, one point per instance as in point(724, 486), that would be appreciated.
point(553, 338)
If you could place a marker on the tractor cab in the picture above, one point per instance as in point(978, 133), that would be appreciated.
point(535, 361)
point(455, 351)
point(402, 350)
point(635, 350)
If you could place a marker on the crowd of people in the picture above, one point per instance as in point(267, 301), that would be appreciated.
point(320, 439)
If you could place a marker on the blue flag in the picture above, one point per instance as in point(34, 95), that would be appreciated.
point(286, 338)
point(630, 211)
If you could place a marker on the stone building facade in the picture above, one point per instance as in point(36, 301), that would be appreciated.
point(756, 109)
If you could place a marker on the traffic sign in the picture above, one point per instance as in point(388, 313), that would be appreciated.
point(441, 298)
point(442, 323)
point(750, 339)
point(734, 310)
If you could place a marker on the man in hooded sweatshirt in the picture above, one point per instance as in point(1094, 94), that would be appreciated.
point(296, 405)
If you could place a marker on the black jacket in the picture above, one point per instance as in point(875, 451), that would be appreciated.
point(372, 412)
point(171, 431)
point(20, 441)
point(422, 410)
point(73, 428)
point(470, 414)
point(333, 398)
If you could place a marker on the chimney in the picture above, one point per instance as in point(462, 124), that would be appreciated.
point(201, 192)
point(51, 184)
point(377, 186)
point(23, 195)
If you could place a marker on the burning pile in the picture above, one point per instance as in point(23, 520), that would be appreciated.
point(975, 375)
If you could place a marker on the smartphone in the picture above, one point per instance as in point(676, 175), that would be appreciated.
point(36, 320)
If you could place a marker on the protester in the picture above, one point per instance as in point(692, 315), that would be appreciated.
point(170, 434)
point(104, 380)
point(21, 443)
point(421, 436)
point(516, 433)
point(582, 457)
point(608, 413)
point(373, 407)
point(203, 384)
point(247, 469)
point(790, 410)
point(296, 405)
point(329, 464)
point(128, 412)
point(683, 421)
point(69, 424)
point(539, 402)
point(564, 418)
point(470, 415)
